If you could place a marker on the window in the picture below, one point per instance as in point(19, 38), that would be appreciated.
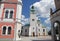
point(4, 30)
point(33, 28)
point(32, 19)
point(39, 29)
point(6, 14)
point(11, 14)
point(43, 30)
point(25, 30)
point(38, 24)
point(9, 30)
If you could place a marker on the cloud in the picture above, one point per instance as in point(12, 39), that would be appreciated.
point(43, 7)
point(24, 20)
point(47, 21)
point(43, 10)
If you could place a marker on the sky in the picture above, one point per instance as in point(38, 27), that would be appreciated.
point(26, 7)
point(43, 11)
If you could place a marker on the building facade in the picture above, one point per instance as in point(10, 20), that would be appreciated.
point(10, 24)
point(55, 20)
point(34, 28)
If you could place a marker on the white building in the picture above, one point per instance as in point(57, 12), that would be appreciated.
point(35, 28)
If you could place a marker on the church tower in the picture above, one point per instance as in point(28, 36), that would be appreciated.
point(10, 20)
point(57, 4)
point(33, 21)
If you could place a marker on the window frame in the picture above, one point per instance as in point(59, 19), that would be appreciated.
point(6, 30)
point(9, 13)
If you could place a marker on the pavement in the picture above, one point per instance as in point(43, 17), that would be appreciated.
point(41, 38)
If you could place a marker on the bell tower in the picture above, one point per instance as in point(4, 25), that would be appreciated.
point(33, 21)
point(57, 4)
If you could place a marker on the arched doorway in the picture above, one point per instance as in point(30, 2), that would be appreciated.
point(33, 33)
point(56, 25)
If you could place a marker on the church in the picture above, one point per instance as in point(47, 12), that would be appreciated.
point(10, 20)
point(34, 28)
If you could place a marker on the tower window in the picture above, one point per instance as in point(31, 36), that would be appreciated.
point(32, 19)
point(4, 30)
point(11, 14)
point(6, 14)
point(43, 30)
point(9, 30)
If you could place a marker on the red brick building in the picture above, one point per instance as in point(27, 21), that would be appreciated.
point(10, 15)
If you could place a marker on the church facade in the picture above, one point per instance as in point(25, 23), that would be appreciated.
point(10, 23)
point(34, 28)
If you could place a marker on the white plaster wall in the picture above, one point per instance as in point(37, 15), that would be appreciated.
point(18, 27)
point(1, 10)
point(19, 12)
point(18, 19)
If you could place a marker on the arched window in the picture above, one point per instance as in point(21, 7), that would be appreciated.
point(11, 14)
point(9, 30)
point(6, 14)
point(4, 30)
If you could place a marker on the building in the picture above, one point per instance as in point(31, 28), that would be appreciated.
point(34, 28)
point(25, 30)
point(55, 20)
point(10, 15)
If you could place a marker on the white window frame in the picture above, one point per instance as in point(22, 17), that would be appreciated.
point(9, 13)
point(6, 30)
point(2, 30)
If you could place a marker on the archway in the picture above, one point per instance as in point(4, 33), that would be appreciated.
point(33, 33)
point(56, 26)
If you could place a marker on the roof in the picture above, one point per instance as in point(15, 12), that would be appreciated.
point(27, 25)
point(56, 11)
